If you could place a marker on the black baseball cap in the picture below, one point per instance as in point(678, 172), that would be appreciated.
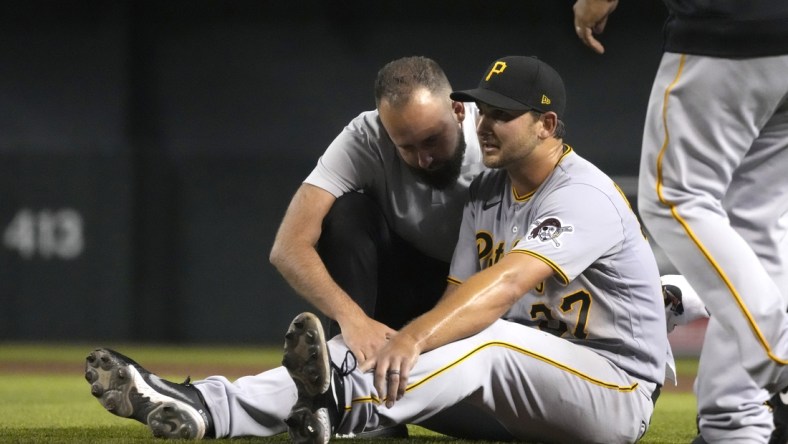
point(518, 83)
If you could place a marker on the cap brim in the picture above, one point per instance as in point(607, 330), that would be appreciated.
point(490, 98)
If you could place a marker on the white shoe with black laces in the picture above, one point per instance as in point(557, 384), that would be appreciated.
point(124, 388)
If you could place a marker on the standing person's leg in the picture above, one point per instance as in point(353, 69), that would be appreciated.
point(762, 220)
point(388, 278)
point(731, 406)
point(690, 180)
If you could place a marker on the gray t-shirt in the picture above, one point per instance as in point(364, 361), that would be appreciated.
point(605, 292)
point(363, 158)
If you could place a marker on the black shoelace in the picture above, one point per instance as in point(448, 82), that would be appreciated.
point(345, 368)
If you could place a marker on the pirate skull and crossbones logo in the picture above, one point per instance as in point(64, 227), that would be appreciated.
point(548, 230)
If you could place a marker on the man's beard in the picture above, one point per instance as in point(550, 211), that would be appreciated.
point(447, 174)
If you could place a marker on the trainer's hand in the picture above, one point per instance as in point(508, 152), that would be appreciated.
point(392, 365)
point(591, 18)
point(364, 336)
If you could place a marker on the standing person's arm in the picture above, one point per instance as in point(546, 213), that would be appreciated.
point(295, 257)
point(591, 18)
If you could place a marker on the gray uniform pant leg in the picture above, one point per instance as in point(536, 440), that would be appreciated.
point(715, 147)
point(539, 388)
point(258, 405)
point(730, 405)
point(252, 405)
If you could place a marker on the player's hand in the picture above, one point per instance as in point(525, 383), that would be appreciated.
point(591, 18)
point(364, 336)
point(392, 366)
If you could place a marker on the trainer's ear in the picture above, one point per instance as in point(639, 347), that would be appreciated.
point(549, 124)
point(459, 110)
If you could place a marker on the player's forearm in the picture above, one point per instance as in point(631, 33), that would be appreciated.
point(478, 302)
point(466, 310)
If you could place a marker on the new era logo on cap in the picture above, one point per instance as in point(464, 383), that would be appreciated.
point(518, 83)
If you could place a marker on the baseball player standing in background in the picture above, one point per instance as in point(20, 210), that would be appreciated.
point(555, 321)
point(712, 194)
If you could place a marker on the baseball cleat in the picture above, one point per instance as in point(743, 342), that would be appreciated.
point(320, 390)
point(124, 388)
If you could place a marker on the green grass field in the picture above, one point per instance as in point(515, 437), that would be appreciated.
point(44, 397)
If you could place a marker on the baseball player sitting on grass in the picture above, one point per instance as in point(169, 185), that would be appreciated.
point(598, 308)
point(555, 323)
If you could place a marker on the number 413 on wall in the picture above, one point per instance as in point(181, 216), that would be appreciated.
point(50, 234)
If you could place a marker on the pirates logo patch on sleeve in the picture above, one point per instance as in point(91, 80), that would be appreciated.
point(548, 230)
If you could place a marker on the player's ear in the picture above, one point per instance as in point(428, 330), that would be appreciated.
point(459, 110)
point(549, 124)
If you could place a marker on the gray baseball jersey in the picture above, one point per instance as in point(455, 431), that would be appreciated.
point(605, 292)
point(363, 158)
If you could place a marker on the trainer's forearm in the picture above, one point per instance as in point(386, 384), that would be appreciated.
point(306, 273)
point(295, 257)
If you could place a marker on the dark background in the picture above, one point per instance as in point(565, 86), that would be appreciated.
point(148, 149)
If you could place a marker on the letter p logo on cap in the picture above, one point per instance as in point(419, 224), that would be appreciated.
point(498, 68)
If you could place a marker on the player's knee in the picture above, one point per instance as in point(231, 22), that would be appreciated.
point(354, 219)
